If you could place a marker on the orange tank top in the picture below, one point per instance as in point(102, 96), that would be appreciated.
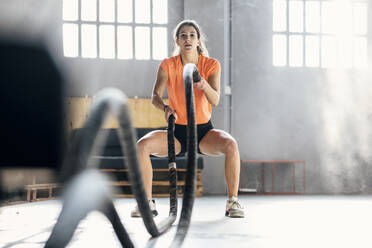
point(176, 88)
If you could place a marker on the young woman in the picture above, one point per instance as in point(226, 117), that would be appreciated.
point(190, 48)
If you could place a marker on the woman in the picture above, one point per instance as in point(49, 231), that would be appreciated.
point(190, 48)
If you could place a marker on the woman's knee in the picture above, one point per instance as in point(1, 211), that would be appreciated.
point(231, 147)
point(151, 143)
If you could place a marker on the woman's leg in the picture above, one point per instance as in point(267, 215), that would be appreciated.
point(218, 142)
point(154, 143)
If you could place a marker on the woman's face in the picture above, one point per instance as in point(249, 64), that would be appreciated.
point(188, 39)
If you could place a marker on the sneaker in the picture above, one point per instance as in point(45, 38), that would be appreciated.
point(233, 208)
point(136, 212)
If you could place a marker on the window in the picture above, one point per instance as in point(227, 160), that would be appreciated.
point(115, 29)
point(320, 33)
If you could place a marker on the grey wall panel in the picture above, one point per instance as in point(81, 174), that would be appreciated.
point(318, 115)
point(210, 15)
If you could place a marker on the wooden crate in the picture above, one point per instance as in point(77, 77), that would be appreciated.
point(160, 184)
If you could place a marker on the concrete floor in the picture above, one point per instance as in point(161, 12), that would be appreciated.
point(271, 221)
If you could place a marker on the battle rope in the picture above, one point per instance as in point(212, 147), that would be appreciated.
point(81, 198)
point(172, 168)
point(190, 74)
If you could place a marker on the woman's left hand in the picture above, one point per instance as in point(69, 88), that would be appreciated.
point(202, 84)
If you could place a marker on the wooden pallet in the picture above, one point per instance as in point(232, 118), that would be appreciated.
point(160, 184)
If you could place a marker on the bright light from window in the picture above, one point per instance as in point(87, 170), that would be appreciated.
point(160, 11)
point(312, 16)
point(329, 52)
point(296, 21)
point(142, 49)
point(360, 52)
point(329, 21)
point(344, 17)
point(295, 50)
point(360, 18)
point(88, 10)
point(312, 51)
point(279, 50)
point(337, 17)
point(279, 15)
point(159, 43)
point(70, 40)
point(70, 10)
point(107, 41)
point(125, 11)
point(89, 41)
point(345, 52)
point(125, 42)
point(335, 33)
point(123, 29)
point(107, 10)
point(142, 12)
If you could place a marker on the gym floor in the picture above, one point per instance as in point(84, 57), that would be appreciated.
point(270, 221)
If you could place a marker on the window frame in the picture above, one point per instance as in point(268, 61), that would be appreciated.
point(132, 25)
point(320, 35)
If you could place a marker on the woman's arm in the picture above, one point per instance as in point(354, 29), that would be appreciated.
point(157, 93)
point(211, 88)
point(158, 90)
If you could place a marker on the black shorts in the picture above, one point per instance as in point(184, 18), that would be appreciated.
point(180, 132)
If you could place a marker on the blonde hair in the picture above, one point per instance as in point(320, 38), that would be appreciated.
point(202, 49)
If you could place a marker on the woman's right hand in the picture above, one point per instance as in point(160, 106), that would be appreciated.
point(169, 111)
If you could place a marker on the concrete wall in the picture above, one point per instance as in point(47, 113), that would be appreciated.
point(211, 16)
point(322, 116)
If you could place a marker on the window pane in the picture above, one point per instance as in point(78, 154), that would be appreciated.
point(312, 17)
point(70, 40)
point(88, 10)
point(296, 20)
point(329, 52)
point(159, 43)
point(89, 41)
point(125, 42)
point(360, 18)
point(312, 51)
point(142, 11)
point(125, 11)
point(337, 17)
point(329, 21)
point(295, 50)
point(70, 10)
point(107, 10)
point(279, 50)
point(360, 52)
point(345, 51)
point(160, 11)
point(142, 38)
point(344, 17)
point(279, 15)
point(107, 41)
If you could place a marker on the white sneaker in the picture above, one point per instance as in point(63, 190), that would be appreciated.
point(136, 212)
point(233, 208)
